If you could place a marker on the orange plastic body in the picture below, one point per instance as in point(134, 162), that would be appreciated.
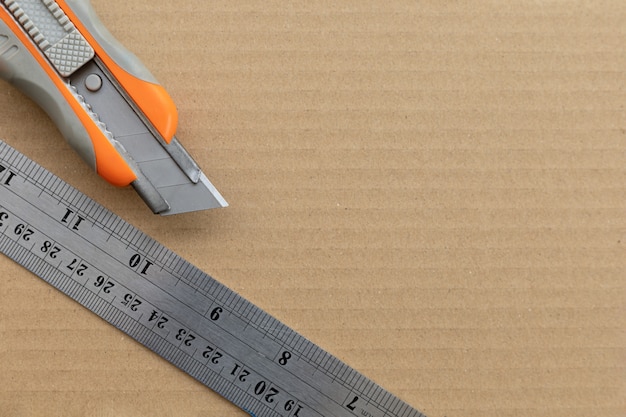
point(109, 163)
point(151, 98)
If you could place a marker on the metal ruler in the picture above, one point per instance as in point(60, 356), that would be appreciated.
point(170, 306)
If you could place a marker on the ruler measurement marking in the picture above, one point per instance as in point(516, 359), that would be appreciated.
point(314, 355)
point(379, 396)
point(332, 365)
point(153, 249)
point(394, 408)
point(307, 349)
point(345, 375)
point(386, 401)
point(236, 309)
point(360, 389)
point(247, 307)
point(323, 361)
point(141, 240)
point(342, 372)
point(298, 347)
point(63, 192)
point(230, 301)
point(320, 360)
point(197, 279)
point(79, 236)
point(354, 379)
point(187, 270)
point(252, 319)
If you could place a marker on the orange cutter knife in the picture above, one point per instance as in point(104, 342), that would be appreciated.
point(105, 102)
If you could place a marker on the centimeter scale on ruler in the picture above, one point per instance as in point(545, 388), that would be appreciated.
point(170, 306)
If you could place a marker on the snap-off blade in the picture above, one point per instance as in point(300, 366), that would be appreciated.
point(168, 179)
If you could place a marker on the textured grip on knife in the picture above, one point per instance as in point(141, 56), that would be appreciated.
point(53, 32)
point(135, 79)
point(22, 64)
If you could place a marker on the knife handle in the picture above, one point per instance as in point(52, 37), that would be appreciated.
point(40, 64)
point(130, 73)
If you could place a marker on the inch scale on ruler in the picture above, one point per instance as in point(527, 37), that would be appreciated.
point(170, 306)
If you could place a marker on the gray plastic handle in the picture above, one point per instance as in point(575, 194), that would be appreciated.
point(21, 69)
point(54, 33)
point(122, 56)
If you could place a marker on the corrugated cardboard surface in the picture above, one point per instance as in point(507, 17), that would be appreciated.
point(433, 191)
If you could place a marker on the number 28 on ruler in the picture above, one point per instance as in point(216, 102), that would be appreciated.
point(173, 308)
point(111, 290)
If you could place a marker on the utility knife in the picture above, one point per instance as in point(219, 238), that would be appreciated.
point(104, 101)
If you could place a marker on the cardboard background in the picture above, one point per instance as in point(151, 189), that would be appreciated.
point(432, 191)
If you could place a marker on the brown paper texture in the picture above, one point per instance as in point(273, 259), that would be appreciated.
point(432, 191)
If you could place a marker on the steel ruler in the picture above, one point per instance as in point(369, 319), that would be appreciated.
point(165, 303)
